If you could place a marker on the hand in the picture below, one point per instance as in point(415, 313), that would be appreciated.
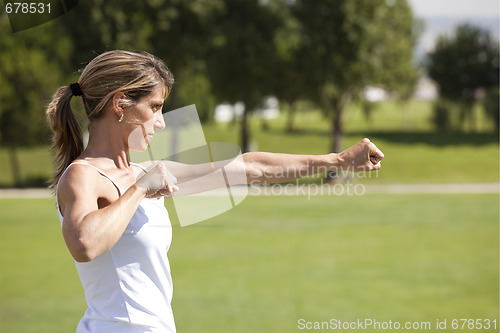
point(363, 156)
point(157, 181)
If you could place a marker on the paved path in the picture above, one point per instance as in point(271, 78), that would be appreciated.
point(340, 189)
point(435, 188)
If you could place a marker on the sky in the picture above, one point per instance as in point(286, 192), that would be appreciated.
point(442, 16)
point(456, 8)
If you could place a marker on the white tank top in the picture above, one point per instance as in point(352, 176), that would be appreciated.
point(129, 288)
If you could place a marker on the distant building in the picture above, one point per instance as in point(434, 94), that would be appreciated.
point(426, 89)
point(270, 108)
point(375, 94)
point(225, 112)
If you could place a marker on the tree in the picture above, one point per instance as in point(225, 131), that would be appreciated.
point(174, 30)
point(463, 64)
point(29, 73)
point(350, 44)
point(242, 57)
point(180, 33)
point(491, 106)
point(96, 26)
point(287, 80)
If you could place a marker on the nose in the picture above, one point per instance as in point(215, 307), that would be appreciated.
point(159, 122)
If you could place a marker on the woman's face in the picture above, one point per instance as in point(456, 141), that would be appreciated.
point(147, 116)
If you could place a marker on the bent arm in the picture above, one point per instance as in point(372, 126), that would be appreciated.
point(88, 230)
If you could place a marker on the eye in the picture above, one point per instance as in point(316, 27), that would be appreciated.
point(157, 107)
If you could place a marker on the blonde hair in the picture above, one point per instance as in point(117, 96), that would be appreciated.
point(134, 74)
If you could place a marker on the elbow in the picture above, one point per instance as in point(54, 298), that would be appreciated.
point(82, 257)
point(81, 243)
point(81, 251)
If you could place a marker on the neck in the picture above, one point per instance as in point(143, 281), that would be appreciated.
point(105, 141)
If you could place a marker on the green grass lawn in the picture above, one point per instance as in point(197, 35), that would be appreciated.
point(416, 155)
point(274, 260)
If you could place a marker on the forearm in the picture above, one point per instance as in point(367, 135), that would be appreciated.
point(262, 168)
point(185, 172)
point(188, 172)
point(99, 230)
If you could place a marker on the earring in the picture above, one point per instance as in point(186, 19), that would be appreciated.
point(121, 119)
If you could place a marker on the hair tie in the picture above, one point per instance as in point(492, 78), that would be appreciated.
point(75, 89)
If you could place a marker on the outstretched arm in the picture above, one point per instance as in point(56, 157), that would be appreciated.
point(264, 168)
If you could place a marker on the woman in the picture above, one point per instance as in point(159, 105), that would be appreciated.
point(113, 223)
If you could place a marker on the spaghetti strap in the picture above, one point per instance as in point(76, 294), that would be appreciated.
point(139, 166)
point(120, 191)
point(102, 173)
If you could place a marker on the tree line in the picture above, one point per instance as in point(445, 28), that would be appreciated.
point(324, 52)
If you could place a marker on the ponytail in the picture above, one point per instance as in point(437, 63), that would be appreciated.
point(67, 139)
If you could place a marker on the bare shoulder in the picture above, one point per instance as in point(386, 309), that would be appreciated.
point(77, 177)
point(81, 184)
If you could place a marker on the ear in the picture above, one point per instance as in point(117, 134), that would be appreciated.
point(119, 103)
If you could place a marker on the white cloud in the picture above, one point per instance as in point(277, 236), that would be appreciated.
point(462, 9)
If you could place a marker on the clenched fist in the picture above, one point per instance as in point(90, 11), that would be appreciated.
point(157, 181)
point(363, 156)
